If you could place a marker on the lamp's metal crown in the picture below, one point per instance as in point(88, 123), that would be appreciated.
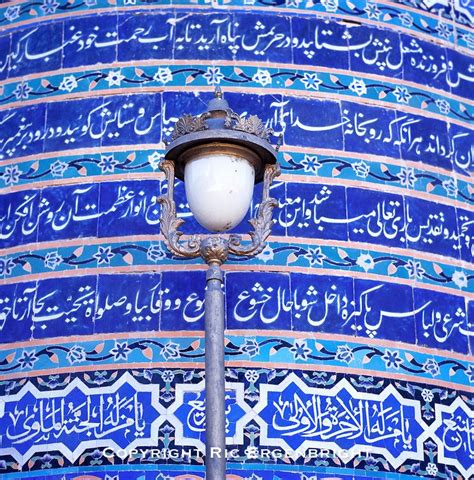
point(212, 119)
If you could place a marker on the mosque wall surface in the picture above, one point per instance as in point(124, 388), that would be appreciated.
point(350, 338)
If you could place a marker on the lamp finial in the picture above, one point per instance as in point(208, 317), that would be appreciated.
point(218, 92)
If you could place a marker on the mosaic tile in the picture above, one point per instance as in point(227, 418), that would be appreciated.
point(415, 144)
point(125, 119)
point(328, 46)
point(441, 324)
point(365, 218)
point(349, 338)
point(36, 49)
point(5, 50)
point(460, 138)
point(262, 304)
point(465, 225)
point(153, 36)
point(378, 53)
point(16, 313)
point(315, 211)
point(116, 311)
point(460, 73)
point(69, 308)
point(68, 212)
point(304, 124)
point(435, 227)
point(128, 207)
point(425, 411)
point(366, 128)
point(88, 41)
point(182, 303)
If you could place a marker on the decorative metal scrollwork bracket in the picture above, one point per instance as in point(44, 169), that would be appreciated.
point(215, 249)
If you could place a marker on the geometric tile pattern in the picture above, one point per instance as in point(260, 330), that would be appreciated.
point(122, 416)
point(271, 414)
point(297, 418)
point(454, 425)
point(187, 414)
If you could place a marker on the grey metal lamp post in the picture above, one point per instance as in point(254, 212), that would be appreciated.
point(220, 156)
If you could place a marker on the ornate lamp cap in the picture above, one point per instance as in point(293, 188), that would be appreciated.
point(218, 103)
point(220, 124)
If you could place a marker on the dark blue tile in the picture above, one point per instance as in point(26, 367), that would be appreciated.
point(182, 301)
point(319, 42)
point(129, 207)
point(69, 212)
point(22, 131)
point(134, 119)
point(310, 128)
point(460, 74)
point(75, 124)
point(258, 301)
point(203, 36)
point(36, 49)
point(470, 326)
point(16, 311)
point(315, 211)
point(424, 140)
point(462, 140)
point(424, 62)
point(7, 321)
point(370, 130)
point(263, 37)
point(375, 217)
point(272, 109)
point(323, 304)
point(90, 40)
point(277, 475)
point(466, 234)
point(5, 44)
point(385, 310)
point(9, 120)
point(19, 215)
point(65, 308)
point(128, 303)
point(176, 104)
point(441, 321)
point(431, 227)
point(144, 37)
point(375, 51)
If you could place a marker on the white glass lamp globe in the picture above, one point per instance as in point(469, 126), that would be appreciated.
point(219, 180)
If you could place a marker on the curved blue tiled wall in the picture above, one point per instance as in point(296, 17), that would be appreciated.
point(349, 341)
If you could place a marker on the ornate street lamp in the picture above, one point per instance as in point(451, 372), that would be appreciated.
point(220, 156)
